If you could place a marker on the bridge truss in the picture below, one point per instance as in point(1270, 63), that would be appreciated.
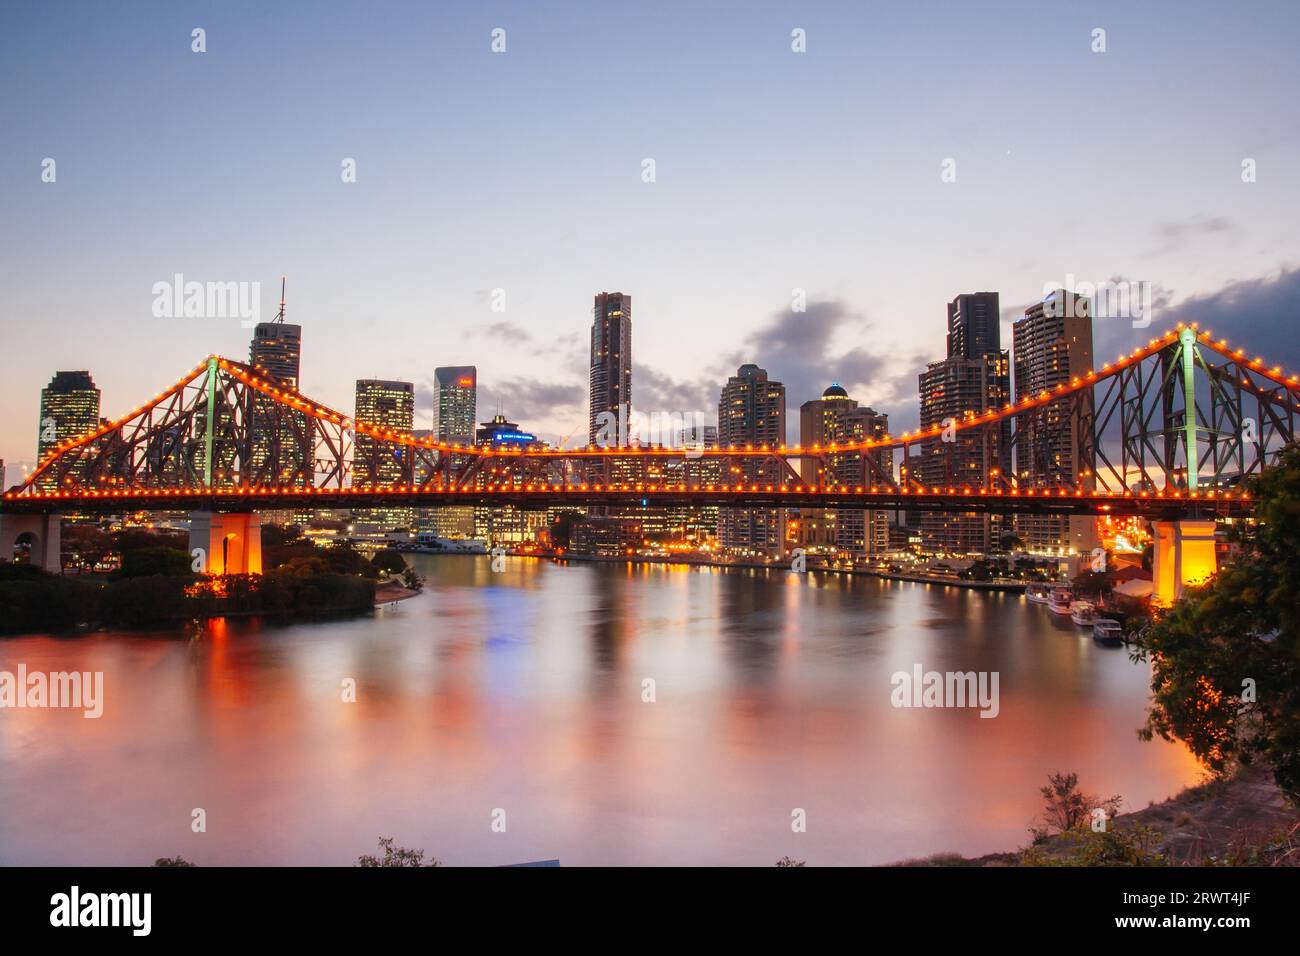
point(1171, 429)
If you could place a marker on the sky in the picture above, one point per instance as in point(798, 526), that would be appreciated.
point(524, 171)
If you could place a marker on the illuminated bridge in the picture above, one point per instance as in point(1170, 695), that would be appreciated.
point(1167, 432)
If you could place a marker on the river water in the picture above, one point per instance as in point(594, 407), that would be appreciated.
point(502, 718)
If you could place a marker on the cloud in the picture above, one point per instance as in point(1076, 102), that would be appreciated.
point(521, 399)
point(1178, 234)
point(1258, 314)
point(805, 351)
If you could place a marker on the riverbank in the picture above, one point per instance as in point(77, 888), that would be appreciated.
point(390, 592)
point(1017, 587)
point(1240, 821)
point(37, 602)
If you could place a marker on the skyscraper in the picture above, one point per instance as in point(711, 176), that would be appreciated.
point(751, 410)
point(1051, 345)
point(974, 325)
point(386, 404)
point(69, 408)
point(611, 366)
point(695, 522)
point(975, 376)
point(457, 398)
point(836, 418)
point(276, 352)
point(455, 417)
point(949, 389)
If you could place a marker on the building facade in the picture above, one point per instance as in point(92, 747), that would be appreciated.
point(974, 378)
point(276, 352)
point(69, 408)
point(611, 366)
point(384, 404)
point(834, 419)
point(751, 411)
point(1051, 345)
point(455, 417)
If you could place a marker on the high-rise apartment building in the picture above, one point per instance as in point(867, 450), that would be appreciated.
point(385, 404)
point(751, 410)
point(949, 389)
point(69, 408)
point(455, 418)
point(276, 349)
point(694, 523)
point(834, 419)
point(974, 325)
point(611, 366)
point(457, 398)
point(974, 377)
point(1052, 345)
point(276, 352)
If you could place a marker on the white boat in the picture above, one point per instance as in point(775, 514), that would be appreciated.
point(1108, 632)
point(1083, 613)
point(1039, 593)
point(432, 544)
point(1060, 601)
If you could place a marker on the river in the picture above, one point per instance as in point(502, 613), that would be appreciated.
point(503, 717)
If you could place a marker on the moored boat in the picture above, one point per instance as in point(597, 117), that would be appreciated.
point(1107, 632)
point(1083, 613)
point(1039, 593)
point(1060, 601)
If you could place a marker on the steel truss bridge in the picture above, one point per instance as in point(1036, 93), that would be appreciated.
point(1167, 432)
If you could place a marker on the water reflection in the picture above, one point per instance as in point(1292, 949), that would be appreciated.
point(523, 691)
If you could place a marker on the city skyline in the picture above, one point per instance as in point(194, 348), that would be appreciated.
point(871, 233)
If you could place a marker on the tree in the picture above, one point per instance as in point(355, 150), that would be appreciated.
point(1067, 808)
point(388, 561)
point(787, 861)
point(1011, 542)
point(1092, 584)
point(172, 861)
point(144, 562)
point(396, 856)
point(84, 545)
point(1225, 675)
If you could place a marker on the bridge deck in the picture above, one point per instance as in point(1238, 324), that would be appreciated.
point(1168, 505)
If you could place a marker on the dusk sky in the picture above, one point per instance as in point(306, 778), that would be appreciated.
point(522, 171)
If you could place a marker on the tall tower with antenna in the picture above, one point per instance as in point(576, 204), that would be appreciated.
point(276, 350)
point(277, 346)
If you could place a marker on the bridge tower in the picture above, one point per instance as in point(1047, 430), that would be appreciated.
point(227, 543)
point(39, 533)
point(1183, 554)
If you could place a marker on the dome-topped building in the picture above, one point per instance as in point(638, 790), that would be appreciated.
point(836, 390)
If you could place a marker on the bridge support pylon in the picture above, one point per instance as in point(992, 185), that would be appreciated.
point(1183, 554)
point(230, 543)
point(38, 533)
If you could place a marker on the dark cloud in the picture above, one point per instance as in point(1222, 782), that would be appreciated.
point(507, 331)
point(657, 391)
point(521, 399)
point(1259, 314)
point(533, 398)
point(806, 351)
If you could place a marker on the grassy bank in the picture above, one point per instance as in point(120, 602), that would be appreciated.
point(1242, 820)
